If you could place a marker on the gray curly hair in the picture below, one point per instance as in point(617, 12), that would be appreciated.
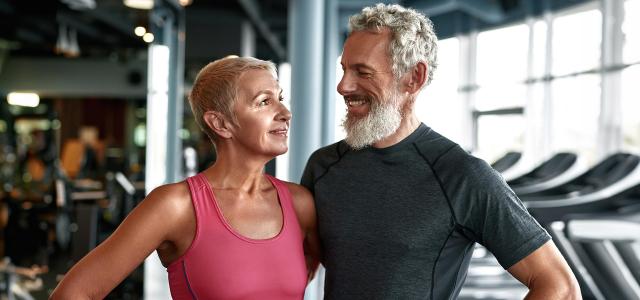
point(413, 38)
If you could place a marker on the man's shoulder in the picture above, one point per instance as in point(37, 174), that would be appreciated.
point(329, 153)
point(320, 161)
point(433, 146)
point(445, 154)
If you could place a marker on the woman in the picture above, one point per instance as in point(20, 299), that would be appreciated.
point(230, 232)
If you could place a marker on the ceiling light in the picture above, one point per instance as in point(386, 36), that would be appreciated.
point(140, 31)
point(148, 37)
point(139, 4)
point(23, 99)
point(185, 2)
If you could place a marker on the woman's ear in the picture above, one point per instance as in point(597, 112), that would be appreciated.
point(218, 123)
point(417, 77)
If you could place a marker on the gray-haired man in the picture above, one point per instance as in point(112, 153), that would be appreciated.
point(400, 206)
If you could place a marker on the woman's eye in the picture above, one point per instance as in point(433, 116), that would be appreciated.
point(264, 102)
point(281, 98)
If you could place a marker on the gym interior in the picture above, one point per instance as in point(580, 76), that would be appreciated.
point(94, 115)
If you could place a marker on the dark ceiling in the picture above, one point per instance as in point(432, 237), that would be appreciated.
point(29, 28)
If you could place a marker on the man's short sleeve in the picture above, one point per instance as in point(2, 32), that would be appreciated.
point(487, 209)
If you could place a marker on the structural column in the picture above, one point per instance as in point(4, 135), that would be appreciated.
point(164, 119)
point(332, 48)
point(306, 45)
point(610, 124)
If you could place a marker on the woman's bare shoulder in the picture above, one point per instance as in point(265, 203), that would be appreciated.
point(302, 201)
point(298, 191)
point(172, 199)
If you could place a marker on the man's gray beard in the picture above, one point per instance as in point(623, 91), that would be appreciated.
point(382, 121)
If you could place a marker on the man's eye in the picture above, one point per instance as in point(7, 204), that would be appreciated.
point(364, 74)
point(281, 98)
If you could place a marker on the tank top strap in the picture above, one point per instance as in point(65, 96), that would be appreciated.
point(196, 184)
point(286, 200)
point(198, 187)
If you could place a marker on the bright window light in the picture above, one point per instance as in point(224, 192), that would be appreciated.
point(630, 109)
point(23, 99)
point(498, 134)
point(282, 161)
point(576, 42)
point(576, 111)
point(340, 108)
point(631, 29)
point(506, 63)
point(438, 105)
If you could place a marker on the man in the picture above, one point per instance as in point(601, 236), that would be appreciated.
point(400, 206)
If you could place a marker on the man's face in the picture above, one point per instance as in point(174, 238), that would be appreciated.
point(369, 88)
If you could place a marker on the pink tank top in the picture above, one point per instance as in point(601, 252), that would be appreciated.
point(222, 264)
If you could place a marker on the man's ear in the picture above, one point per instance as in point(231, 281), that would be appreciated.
point(218, 123)
point(416, 77)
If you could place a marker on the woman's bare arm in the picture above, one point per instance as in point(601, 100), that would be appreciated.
point(149, 225)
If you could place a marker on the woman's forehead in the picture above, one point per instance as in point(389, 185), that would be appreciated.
point(255, 81)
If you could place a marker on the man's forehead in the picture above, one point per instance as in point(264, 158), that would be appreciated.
point(365, 48)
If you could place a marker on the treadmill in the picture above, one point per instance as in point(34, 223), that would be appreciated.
point(507, 161)
point(551, 168)
point(610, 170)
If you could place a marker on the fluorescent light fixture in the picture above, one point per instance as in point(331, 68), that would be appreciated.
point(23, 99)
point(148, 37)
point(139, 4)
point(140, 31)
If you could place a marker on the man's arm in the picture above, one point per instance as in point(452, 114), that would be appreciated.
point(546, 274)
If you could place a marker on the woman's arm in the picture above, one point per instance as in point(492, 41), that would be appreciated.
point(306, 212)
point(145, 229)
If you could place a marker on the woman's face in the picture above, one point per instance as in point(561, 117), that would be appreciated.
point(262, 119)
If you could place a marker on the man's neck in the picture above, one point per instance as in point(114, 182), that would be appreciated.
point(408, 125)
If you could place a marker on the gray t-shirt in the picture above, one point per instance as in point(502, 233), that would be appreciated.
point(401, 222)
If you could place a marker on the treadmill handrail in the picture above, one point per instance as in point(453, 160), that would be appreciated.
point(606, 232)
point(632, 179)
point(557, 231)
point(613, 230)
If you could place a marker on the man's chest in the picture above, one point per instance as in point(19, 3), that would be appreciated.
point(399, 204)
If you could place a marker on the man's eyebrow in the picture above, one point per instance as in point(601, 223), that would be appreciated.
point(363, 66)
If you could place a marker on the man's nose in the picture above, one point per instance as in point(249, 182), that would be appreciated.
point(347, 84)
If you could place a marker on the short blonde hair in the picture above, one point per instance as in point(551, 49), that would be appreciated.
point(216, 87)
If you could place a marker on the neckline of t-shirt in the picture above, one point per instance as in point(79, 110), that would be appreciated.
point(422, 128)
